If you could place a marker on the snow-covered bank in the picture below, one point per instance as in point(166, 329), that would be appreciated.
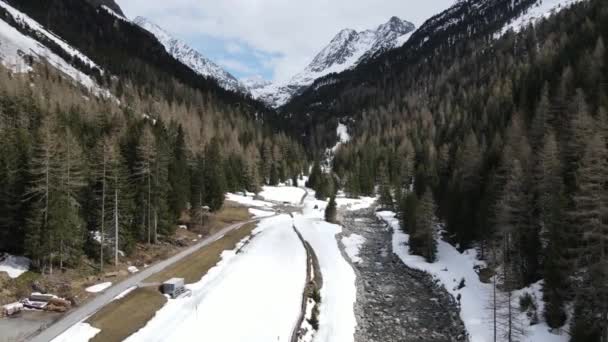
point(354, 204)
point(248, 200)
point(81, 332)
point(475, 297)
point(352, 245)
point(98, 288)
point(283, 194)
point(337, 320)
point(257, 213)
point(13, 265)
point(254, 295)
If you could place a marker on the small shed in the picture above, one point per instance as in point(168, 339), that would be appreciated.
point(174, 287)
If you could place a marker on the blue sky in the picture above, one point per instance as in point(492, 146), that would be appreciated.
point(238, 58)
point(274, 39)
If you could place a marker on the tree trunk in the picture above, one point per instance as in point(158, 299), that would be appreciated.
point(103, 213)
point(116, 221)
point(149, 209)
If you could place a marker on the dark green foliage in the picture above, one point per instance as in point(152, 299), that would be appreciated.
point(213, 174)
point(179, 177)
point(331, 211)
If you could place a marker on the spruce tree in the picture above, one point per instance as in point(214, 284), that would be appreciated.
point(214, 181)
point(179, 177)
point(331, 211)
point(386, 198)
point(423, 241)
point(591, 202)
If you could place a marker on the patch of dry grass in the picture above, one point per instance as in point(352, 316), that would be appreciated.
point(195, 266)
point(121, 318)
point(229, 214)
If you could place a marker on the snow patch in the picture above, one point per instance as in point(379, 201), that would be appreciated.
point(98, 288)
point(248, 200)
point(260, 213)
point(81, 332)
point(352, 246)
point(14, 266)
point(354, 204)
point(124, 293)
point(283, 194)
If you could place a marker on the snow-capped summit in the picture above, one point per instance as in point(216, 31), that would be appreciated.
point(347, 49)
point(191, 58)
point(255, 82)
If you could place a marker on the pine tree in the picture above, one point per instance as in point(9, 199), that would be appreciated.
point(331, 211)
point(70, 224)
point(179, 177)
point(45, 174)
point(213, 174)
point(147, 155)
point(551, 204)
point(386, 198)
point(591, 201)
point(424, 240)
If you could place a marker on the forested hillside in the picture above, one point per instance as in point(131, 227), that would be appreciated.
point(510, 137)
point(125, 50)
point(77, 168)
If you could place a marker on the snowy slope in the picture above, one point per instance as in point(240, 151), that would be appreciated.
point(190, 57)
point(347, 49)
point(15, 47)
point(542, 9)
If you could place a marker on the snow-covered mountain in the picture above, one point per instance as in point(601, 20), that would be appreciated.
point(347, 49)
point(191, 58)
point(17, 48)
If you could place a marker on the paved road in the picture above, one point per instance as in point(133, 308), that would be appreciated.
point(91, 307)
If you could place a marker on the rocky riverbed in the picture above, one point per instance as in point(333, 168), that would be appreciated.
point(394, 302)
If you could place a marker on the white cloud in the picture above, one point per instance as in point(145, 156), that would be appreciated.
point(293, 29)
point(234, 48)
point(236, 65)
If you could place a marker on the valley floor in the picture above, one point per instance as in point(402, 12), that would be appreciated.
point(370, 288)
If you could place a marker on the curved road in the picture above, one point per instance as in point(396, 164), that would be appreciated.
point(81, 313)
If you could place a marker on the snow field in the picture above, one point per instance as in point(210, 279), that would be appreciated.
point(451, 267)
point(254, 295)
point(81, 332)
point(283, 194)
point(337, 320)
point(248, 200)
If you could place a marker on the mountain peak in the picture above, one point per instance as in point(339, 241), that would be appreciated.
point(347, 49)
point(396, 25)
point(191, 57)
